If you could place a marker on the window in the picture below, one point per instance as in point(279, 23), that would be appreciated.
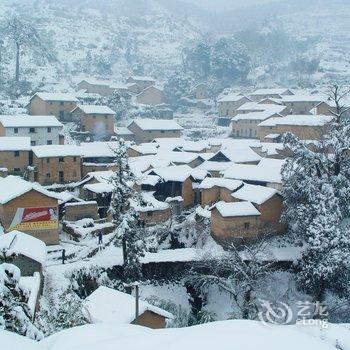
point(31, 130)
point(61, 103)
point(61, 159)
point(61, 176)
point(74, 159)
point(162, 131)
point(106, 116)
point(16, 153)
point(49, 129)
point(149, 214)
point(16, 170)
point(48, 175)
point(49, 142)
point(149, 131)
point(32, 143)
point(174, 131)
point(47, 160)
point(246, 225)
point(15, 130)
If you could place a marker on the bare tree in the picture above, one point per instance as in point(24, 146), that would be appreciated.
point(337, 94)
point(235, 272)
point(24, 36)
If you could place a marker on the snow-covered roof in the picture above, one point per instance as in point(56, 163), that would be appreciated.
point(94, 109)
point(236, 209)
point(26, 121)
point(259, 107)
point(145, 148)
point(211, 182)
point(302, 120)
point(9, 143)
point(178, 157)
point(150, 203)
point(56, 96)
point(254, 173)
point(109, 305)
point(100, 187)
point(173, 173)
point(239, 155)
point(56, 151)
point(98, 149)
point(143, 163)
point(142, 78)
point(253, 193)
point(157, 124)
point(12, 187)
point(122, 130)
point(215, 166)
point(24, 244)
point(270, 91)
point(303, 98)
point(271, 148)
point(253, 115)
point(233, 97)
point(150, 180)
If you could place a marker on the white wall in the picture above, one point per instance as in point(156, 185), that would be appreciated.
point(41, 135)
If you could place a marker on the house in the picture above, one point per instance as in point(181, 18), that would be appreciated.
point(152, 211)
point(217, 189)
point(181, 158)
point(102, 87)
point(305, 127)
point(175, 181)
point(111, 306)
point(227, 106)
point(234, 222)
point(273, 149)
point(58, 104)
point(98, 156)
point(201, 91)
point(28, 253)
point(301, 103)
point(124, 133)
point(250, 107)
point(240, 154)
point(269, 203)
point(42, 130)
point(146, 130)
point(29, 208)
point(151, 96)
point(98, 121)
point(56, 164)
point(274, 93)
point(215, 168)
point(266, 173)
point(246, 125)
point(139, 83)
point(14, 154)
point(328, 107)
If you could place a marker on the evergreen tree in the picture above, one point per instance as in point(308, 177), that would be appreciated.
point(317, 201)
point(65, 312)
point(15, 315)
point(125, 217)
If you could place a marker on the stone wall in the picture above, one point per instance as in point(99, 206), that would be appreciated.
point(78, 211)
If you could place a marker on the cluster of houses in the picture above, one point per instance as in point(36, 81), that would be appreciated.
point(235, 182)
point(266, 114)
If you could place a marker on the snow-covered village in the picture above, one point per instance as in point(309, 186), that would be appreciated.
point(174, 174)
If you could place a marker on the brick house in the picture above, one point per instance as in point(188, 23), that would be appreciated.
point(56, 164)
point(146, 130)
point(234, 222)
point(58, 104)
point(151, 96)
point(42, 130)
point(97, 120)
point(109, 305)
point(305, 127)
point(102, 87)
point(14, 154)
point(227, 106)
point(139, 83)
point(20, 199)
point(274, 93)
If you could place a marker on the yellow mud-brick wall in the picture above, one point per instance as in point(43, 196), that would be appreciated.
point(187, 193)
point(29, 200)
point(71, 168)
point(151, 320)
point(10, 161)
point(233, 227)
